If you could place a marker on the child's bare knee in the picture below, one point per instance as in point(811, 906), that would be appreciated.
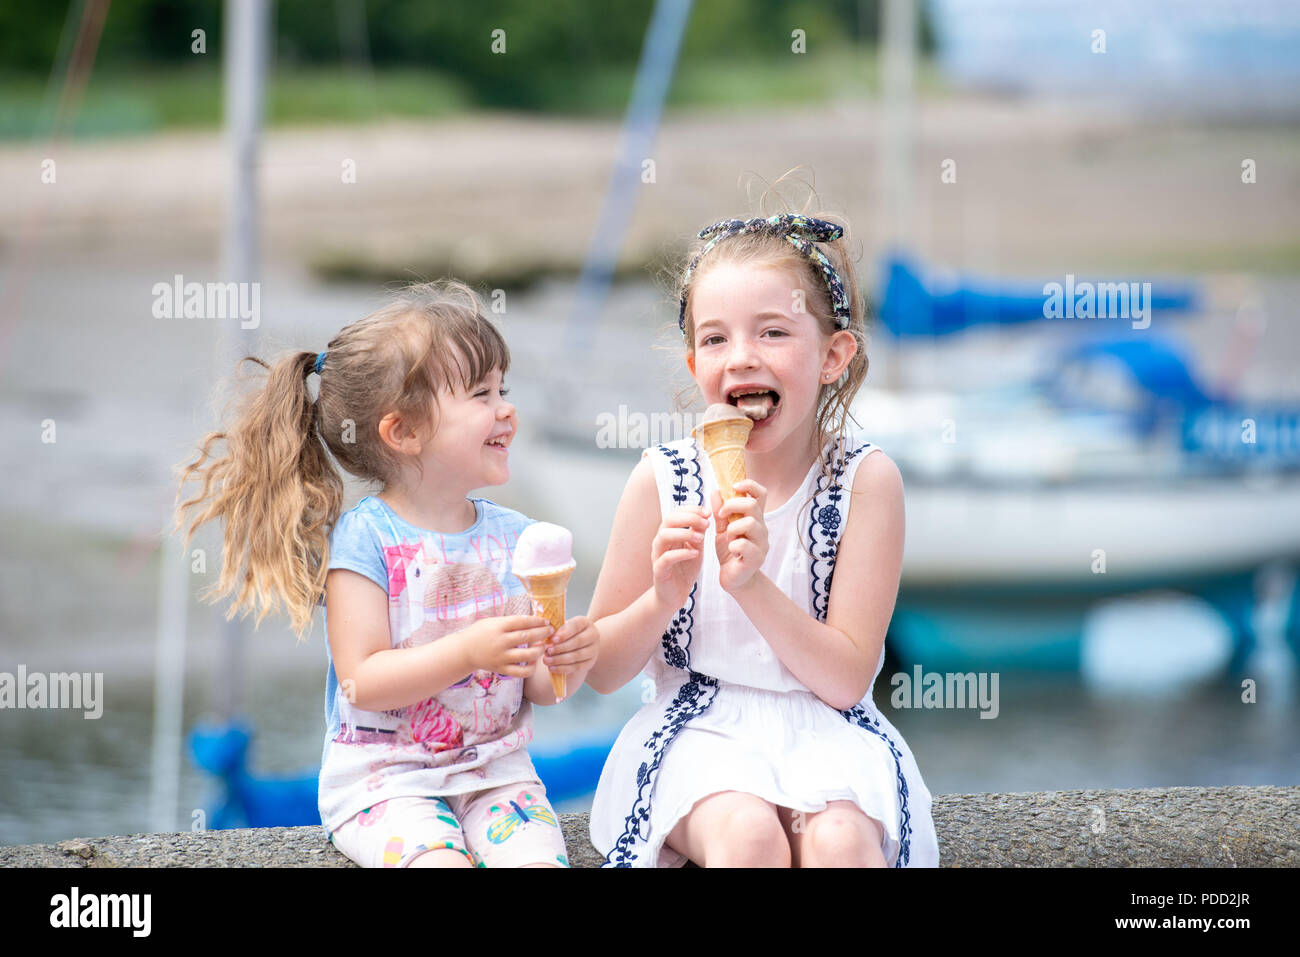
point(750, 835)
point(837, 838)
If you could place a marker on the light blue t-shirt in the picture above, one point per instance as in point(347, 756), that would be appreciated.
point(468, 737)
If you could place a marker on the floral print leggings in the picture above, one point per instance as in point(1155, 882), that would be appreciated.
point(502, 827)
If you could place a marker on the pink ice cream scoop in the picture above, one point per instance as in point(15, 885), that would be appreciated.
point(543, 562)
point(543, 548)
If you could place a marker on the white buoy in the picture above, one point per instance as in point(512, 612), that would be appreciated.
point(1153, 644)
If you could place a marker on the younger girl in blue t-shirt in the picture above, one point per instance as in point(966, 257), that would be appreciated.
point(432, 640)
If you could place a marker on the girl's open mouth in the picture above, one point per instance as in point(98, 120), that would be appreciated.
point(757, 403)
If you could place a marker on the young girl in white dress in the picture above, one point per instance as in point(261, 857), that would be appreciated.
point(760, 640)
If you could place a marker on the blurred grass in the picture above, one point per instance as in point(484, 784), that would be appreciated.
point(124, 104)
point(750, 83)
point(514, 270)
point(137, 103)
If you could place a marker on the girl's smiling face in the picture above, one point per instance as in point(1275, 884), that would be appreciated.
point(475, 427)
point(752, 333)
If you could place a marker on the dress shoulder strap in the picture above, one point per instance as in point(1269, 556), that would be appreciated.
point(829, 512)
point(677, 473)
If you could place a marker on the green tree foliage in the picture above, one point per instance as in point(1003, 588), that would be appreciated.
point(554, 48)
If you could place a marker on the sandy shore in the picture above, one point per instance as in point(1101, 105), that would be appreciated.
point(1040, 185)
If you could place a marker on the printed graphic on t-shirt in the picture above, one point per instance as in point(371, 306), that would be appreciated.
point(434, 592)
point(467, 736)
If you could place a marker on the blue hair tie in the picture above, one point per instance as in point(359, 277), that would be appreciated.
point(320, 363)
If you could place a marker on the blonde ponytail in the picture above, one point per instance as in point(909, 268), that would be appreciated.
point(276, 492)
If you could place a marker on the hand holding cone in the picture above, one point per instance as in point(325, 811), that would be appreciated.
point(543, 562)
point(722, 433)
point(547, 593)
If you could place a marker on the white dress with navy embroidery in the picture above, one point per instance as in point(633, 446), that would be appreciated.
point(727, 715)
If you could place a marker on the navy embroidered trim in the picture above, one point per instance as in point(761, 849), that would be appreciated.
point(824, 520)
point(677, 639)
point(857, 715)
point(692, 699)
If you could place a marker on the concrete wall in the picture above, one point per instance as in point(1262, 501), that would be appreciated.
point(1148, 827)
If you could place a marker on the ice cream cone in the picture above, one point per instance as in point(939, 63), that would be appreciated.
point(723, 442)
point(547, 593)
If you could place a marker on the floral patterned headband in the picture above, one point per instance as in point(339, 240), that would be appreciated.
point(801, 232)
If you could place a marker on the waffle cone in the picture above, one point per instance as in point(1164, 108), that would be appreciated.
point(547, 593)
point(724, 443)
point(548, 585)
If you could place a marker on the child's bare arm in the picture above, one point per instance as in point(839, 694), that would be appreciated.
point(630, 611)
point(375, 676)
point(836, 660)
point(537, 687)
